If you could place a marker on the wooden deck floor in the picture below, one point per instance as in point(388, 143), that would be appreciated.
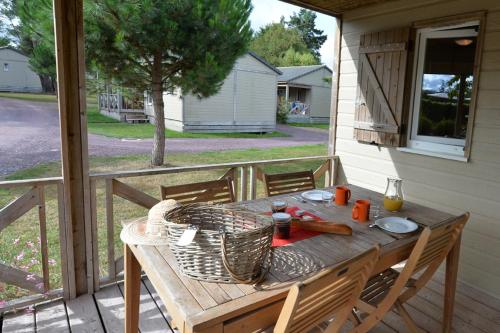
point(103, 312)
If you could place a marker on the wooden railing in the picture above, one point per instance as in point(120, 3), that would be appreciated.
point(246, 176)
point(33, 197)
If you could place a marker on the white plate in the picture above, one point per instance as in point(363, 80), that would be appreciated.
point(396, 225)
point(316, 195)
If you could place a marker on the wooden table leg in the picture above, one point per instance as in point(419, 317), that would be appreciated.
point(132, 291)
point(450, 285)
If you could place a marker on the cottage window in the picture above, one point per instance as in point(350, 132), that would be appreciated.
point(5, 67)
point(443, 87)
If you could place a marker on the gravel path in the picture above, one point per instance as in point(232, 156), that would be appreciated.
point(29, 135)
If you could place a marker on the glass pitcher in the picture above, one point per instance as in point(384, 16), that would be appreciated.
point(393, 198)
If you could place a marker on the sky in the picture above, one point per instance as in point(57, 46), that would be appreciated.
point(269, 11)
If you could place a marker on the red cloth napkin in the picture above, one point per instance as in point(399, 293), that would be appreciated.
point(296, 234)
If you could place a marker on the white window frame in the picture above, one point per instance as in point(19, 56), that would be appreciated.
point(6, 67)
point(448, 146)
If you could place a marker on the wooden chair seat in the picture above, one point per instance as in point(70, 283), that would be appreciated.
point(378, 286)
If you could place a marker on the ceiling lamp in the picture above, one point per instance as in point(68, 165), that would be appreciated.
point(464, 41)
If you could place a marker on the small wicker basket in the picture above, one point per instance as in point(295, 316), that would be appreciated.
point(230, 245)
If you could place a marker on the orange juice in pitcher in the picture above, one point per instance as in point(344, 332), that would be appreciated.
point(393, 198)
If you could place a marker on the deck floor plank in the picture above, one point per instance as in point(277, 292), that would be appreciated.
point(52, 318)
point(83, 315)
point(21, 322)
point(160, 304)
point(111, 306)
point(474, 312)
point(151, 319)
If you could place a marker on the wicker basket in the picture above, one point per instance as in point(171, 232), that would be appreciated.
point(229, 246)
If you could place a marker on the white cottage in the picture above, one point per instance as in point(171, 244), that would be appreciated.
point(246, 102)
point(15, 72)
point(308, 90)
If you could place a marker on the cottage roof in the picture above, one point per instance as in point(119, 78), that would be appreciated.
point(294, 72)
point(12, 49)
point(263, 61)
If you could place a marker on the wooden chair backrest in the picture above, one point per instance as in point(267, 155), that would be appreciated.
point(429, 252)
point(330, 293)
point(216, 191)
point(283, 183)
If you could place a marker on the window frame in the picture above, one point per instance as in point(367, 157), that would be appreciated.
point(6, 67)
point(449, 146)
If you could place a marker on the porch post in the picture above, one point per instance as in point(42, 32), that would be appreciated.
point(68, 26)
point(335, 88)
point(287, 93)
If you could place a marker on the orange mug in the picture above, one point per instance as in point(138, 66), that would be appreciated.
point(361, 210)
point(342, 195)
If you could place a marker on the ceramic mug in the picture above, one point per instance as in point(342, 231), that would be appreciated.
point(342, 195)
point(361, 210)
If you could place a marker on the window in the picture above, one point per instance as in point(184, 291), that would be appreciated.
point(5, 67)
point(442, 88)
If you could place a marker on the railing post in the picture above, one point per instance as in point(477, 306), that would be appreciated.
point(243, 183)
point(66, 246)
point(253, 182)
point(42, 219)
point(110, 229)
point(334, 169)
point(95, 245)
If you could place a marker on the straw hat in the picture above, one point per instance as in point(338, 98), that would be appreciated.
point(151, 231)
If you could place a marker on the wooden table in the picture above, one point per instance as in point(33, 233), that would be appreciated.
point(216, 307)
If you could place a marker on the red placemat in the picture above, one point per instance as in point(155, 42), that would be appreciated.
point(296, 234)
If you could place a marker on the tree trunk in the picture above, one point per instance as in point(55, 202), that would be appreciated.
point(158, 152)
point(47, 83)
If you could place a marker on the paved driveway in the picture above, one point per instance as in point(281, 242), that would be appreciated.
point(29, 135)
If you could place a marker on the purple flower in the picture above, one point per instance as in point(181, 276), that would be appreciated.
point(2, 303)
point(16, 241)
point(20, 256)
point(30, 244)
point(39, 286)
point(34, 261)
point(52, 262)
point(30, 277)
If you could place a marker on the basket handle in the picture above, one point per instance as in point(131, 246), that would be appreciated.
point(263, 270)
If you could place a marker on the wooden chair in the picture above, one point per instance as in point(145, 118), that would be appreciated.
point(217, 191)
point(311, 304)
point(283, 183)
point(392, 288)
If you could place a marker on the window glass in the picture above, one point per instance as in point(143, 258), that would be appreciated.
point(446, 87)
point(5, 67)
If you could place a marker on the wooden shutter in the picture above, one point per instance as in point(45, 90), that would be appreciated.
point(381, 84)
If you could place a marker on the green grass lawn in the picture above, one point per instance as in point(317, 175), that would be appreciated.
point(103, 125)
point(51, 98)
point(15, 237)
point(322, 126)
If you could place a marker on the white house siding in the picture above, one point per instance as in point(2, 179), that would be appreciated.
point(19, 77)
point(173, 104)
point(444, 184)
point(320, 93)
point(256, 97)
point(246, 101)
